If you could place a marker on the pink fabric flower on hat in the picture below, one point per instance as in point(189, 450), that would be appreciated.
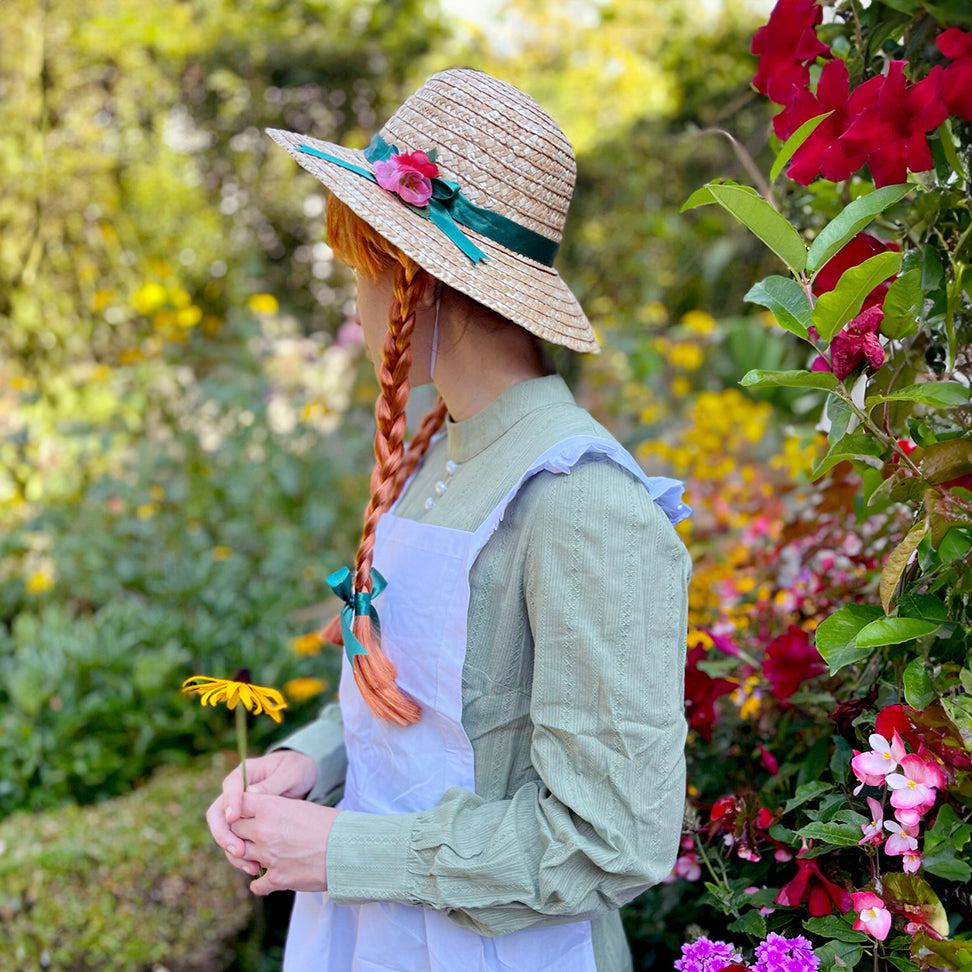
point(407, 174)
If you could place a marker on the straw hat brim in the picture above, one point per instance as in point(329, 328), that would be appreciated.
point(525, 291)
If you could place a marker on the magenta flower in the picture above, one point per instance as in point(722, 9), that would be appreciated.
point(903, 840)
point(785, 45)
point(855, 343)
point(705, 955)
point(873, 766)
point(956, 44)
point(408, 174)
point(791, 660)
point(891, 119)
point(873, 833)
point(779, 954)
point(872, 916)
point(823, 153)
point(915, 788)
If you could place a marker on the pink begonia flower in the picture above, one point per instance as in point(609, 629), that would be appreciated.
point(911, 862)
point(917, 785)
point(872, 831)
point(408, 174)
point(872, 767)
point(872, 916)
point(782, 854)
point(902, 839)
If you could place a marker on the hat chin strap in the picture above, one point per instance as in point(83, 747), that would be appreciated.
point(435, 331)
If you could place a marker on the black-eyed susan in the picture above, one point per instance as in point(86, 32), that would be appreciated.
point(240, 694)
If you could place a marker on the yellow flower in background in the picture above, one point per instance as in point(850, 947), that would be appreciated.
point(258, 699)
point(307, 644)
point(181, 297)
point(304, 688)
point(221, 552)
point(146, 511)
point(156, 491)
point(130, 356)
point(188, 316)
point(39, 581)
point(686, 356)
point(263, 304)
point(698, 322)
point(149, 298)
point(681, 387)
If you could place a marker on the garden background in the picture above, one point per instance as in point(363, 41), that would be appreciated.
point(186, 432)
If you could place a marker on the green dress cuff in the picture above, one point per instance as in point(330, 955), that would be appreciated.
point(367, 857)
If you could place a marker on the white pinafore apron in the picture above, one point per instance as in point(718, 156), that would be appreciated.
point(393, 769)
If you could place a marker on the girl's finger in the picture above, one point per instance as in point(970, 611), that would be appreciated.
point(218, 827)
point(248, 867)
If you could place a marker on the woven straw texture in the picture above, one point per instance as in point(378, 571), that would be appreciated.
point(508, 155)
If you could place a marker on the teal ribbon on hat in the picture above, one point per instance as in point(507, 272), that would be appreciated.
point(355, 603)
point(447, 206)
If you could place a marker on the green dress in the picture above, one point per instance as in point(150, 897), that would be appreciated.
point(572, 692)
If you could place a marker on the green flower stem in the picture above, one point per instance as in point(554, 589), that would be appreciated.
point(241, 748)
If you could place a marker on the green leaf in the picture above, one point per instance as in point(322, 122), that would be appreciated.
point(839, 413)
point(808, 791)
point(941, 953)
point(895, 564)
point(840, 835)
point(837, 956)
point(912, 890)
point(894, 631)
point(836, 307)
point(794, 142)
point(786, 299)
point(902, 305)
point(847, 224)
point(948, 147)
point(830, 926)
point(849, 446)
point(757, 378)
point(836, 637)
point(918, 688)
point(947, 866)
point(938, 394)
point(754, 212)
point(751, 923)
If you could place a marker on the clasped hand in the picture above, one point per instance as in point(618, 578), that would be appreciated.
point(271, 825)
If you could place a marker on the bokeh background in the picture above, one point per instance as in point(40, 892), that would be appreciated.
point(186, 412)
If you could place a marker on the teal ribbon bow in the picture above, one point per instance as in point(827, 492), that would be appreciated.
point(447, 206)
point(355, 603)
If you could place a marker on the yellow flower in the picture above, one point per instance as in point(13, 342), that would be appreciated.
point(148, 298)
point(304, 688)
point(146, 511)
point(156, 491)
point(222, 552)
point(307, 644)
point(258, 699)
point(686, 356)
point(681, 387)
point(263, 303)
point(188, 316)
point(39, 581)
point(698, 321)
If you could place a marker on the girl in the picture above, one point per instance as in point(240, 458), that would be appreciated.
point(504, 768)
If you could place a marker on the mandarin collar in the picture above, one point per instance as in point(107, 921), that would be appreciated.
point(469, 437)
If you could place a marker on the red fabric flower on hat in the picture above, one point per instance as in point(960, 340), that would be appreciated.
point(407, 174)
point(956, 44)
point(785, 45)
point(891, 118)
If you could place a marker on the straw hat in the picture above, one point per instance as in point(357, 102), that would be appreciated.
point(494, 221)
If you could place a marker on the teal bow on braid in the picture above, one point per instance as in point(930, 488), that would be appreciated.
point(446, 206)
point(356, 603)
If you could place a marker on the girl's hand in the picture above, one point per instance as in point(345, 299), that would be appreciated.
point(285, 773)
point(289, 838)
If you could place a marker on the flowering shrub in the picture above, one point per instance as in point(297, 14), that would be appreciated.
point(829, 628)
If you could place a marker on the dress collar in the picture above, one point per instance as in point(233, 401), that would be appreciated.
point(469, 437)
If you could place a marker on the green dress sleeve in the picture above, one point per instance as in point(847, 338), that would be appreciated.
point(606, 583)
point(323, 741)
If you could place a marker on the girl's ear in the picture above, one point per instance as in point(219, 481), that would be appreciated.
point(427, 297)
